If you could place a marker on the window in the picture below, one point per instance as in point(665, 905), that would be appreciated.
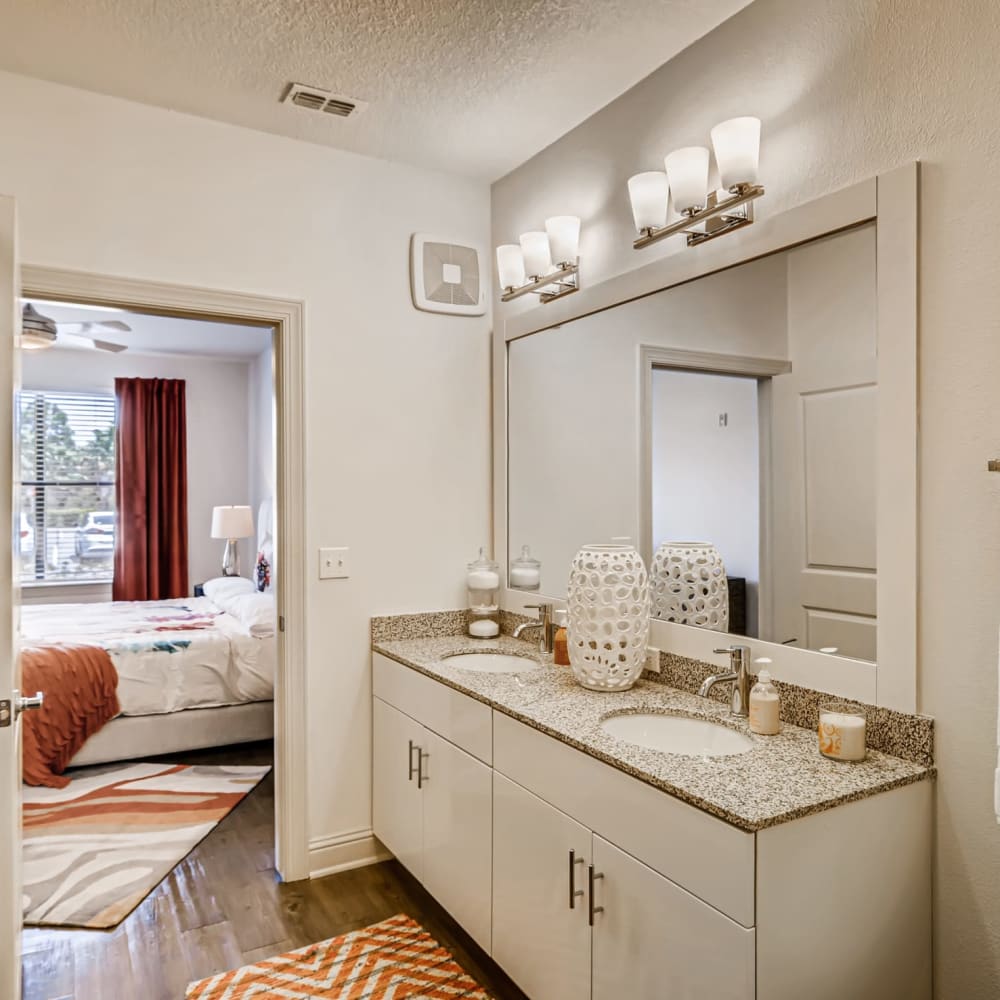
point(67, 517)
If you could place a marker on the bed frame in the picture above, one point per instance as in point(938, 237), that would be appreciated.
point(135, 737)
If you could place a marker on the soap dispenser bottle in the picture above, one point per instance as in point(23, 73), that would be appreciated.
point(560, 642)
point(765, 706)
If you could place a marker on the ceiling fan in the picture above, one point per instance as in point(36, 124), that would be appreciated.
point(39, 332)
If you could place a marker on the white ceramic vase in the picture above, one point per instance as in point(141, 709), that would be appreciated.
point(689, 585)
point(608, 604)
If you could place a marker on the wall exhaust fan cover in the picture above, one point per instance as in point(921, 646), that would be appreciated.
point(446, 277)
point(324, 101)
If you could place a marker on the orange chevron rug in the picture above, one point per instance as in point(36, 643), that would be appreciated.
point(388, 961)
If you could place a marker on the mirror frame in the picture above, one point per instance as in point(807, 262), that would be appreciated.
point(891, 200)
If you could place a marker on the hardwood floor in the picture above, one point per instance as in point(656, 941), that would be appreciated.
point(223, 906)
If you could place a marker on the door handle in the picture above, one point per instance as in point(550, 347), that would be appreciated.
point(592, 877)
point(413, 747)
point(422, 778)
point(573, 891)
point(27, 702)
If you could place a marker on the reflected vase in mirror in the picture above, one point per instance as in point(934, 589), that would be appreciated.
point(689, 585)
point(608, 604)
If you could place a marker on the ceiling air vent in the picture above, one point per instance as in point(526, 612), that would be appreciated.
point(317, 99)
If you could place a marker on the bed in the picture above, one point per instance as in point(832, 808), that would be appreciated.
point(192, 672)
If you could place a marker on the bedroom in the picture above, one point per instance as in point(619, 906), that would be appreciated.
point(147, 458)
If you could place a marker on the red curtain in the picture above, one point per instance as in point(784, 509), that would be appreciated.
point(151, 543)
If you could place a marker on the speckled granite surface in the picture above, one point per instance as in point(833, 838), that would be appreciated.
point(429, 623)
point(895, 733)
point(782, 778)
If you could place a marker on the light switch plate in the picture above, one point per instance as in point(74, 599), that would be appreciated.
point(334, 564)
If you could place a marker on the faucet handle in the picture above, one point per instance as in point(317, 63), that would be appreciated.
point(543, 607)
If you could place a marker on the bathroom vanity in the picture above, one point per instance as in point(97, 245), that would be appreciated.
point(589, 866)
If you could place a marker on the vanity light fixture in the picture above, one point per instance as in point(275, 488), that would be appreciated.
point(706, 214)
point(545, 263)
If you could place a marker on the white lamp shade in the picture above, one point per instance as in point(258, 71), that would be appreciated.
point(737, 149)
point(564, 238)
point(648, 193)
point(510, 265)
point(232, 522)
point(687, 171)
point(537, 256)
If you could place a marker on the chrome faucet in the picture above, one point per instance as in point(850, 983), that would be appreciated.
point(739, 674)
point(546, 623)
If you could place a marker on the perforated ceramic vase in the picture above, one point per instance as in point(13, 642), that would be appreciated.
point(689, 585)
point(608, 603)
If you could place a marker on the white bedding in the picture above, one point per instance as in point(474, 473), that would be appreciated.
point(170, 655)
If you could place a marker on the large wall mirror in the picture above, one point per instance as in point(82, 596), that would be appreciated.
point(755, 393)
point(740, 427)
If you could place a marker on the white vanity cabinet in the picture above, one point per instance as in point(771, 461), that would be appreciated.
point(432, 801)
point(585, 883)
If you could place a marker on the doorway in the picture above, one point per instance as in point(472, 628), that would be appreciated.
point(285, 317)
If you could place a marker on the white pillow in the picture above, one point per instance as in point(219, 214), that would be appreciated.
point(255, 612)
point(223, 589)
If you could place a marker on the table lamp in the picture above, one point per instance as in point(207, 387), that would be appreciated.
point(231, 523)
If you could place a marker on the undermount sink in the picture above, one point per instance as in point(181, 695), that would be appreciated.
point(491, 663)
point(677, 734)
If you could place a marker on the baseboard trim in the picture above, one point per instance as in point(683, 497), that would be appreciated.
point(343, 851)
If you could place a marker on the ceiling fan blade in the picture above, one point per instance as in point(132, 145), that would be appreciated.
point(88, 343)
point(106, 345)
point(88, 327)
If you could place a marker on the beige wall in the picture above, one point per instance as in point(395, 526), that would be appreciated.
point(396, 400)
point(847, 88)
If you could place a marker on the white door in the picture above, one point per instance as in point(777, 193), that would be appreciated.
point(458, 835)
point(823, 451)
point(655, 941)
point(541, 935)
point(397, 802)
point(10, 741)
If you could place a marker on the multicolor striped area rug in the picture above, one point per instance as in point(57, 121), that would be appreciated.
point(95, 849)
point(388, 961)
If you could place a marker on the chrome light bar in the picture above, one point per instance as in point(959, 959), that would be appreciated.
point(716, 219)
point(566, 281)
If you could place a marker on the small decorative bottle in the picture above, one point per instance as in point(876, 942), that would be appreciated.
point(483, 583)
point(526, 571)
point(765, 706)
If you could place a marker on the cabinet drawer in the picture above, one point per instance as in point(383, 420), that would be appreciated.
point(458, 718)
point(711, 859)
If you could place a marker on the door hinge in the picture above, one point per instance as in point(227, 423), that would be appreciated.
point(5, 714)
point(281, 623)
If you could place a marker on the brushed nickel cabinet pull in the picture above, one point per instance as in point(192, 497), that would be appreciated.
point(413, 747)
point(422, 778)
point(573, 891)
point(592, 877)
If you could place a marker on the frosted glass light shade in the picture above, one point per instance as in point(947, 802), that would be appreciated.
point(737, 149)
point(510, 265)
point(232, 522)
point(687, 172)
point(537, 256)
point(564, 238)
point(648, 194)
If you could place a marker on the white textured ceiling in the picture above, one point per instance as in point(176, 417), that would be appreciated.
point(474, 87)
point(152, 334)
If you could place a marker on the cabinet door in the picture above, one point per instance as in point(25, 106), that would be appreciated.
point(655, 941)
point(542, 943)
point(397, 802)
point(458, 834)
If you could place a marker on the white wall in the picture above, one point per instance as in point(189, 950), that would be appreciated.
point(705, 477)
point(847, 88)
point(396, 400)
point(262, 470)
point(574, 404)
point(218, 428)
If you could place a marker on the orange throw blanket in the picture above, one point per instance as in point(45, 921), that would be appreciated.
point(80, 685)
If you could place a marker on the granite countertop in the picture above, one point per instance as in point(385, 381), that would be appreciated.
point(782, 778)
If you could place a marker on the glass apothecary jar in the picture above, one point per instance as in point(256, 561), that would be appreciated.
point(526, 571)
point(483, 583)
